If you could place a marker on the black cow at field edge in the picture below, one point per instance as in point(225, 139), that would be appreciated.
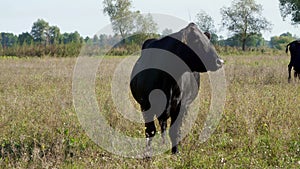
point(159, 67)
point(295, 58)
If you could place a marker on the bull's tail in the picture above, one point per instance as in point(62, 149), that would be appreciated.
point(287, 48)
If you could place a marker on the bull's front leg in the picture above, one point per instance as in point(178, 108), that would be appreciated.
point(289, 70)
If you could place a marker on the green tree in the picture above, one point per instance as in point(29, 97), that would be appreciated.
point(288, 34)
point(126, 22)
point(1, 49)
point(256, 41)
point(64, 38)
point(205, 22)
point(244, 18)
point(75, 38)
point(231, 41)
point(25, 38)
point(71, 38)
point(54, 35)
point(214, 38)
point(87, 40)
point(120, 15)
point(8, 39)
point(40, 31)
point(280, 42)
point(96, 41)
point(103, 40)
point(144, 23)
point(290, 8)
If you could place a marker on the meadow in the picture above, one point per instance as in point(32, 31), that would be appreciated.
point(260, 126)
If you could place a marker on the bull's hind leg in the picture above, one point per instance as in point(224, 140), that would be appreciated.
point(176, 120)
point(163, 125)
point(289, 70)
point(150, 133)
point(295, 75)
point(150, 130)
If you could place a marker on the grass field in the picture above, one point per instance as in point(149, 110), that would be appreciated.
point(260, 127)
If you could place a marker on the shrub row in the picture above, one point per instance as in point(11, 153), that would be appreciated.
point(74, 49)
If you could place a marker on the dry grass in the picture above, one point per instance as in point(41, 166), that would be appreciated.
point(260, 127)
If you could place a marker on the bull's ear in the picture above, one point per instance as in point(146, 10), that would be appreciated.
point(192, 24)
point(207, 34)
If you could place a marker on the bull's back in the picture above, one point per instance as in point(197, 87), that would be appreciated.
point(148, 42)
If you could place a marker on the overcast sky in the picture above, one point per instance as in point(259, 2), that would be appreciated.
point(87, 18)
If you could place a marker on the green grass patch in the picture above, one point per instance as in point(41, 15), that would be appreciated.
point(260, 127)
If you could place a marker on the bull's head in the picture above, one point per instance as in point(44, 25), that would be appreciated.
point(200, 44)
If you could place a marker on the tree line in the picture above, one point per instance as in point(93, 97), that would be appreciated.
point(243, 19)
point(43, 39)
point(69, 44)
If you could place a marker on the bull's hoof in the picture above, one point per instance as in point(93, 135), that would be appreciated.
point(148, 152)
point(147, 158)
point(175, 150)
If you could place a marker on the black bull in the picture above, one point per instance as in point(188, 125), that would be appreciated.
point(294, 48)
point(159, 67)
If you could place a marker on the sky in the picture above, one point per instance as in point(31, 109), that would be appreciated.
point(86, 17)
